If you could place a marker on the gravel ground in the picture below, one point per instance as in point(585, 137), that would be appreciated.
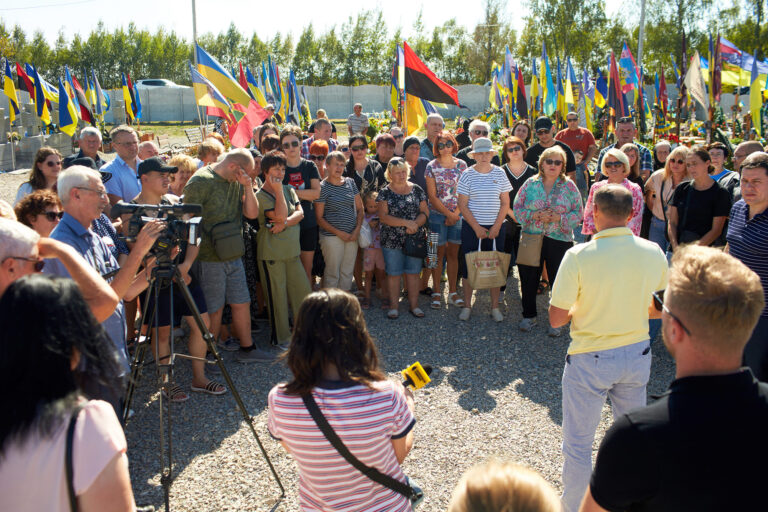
point(495, 392)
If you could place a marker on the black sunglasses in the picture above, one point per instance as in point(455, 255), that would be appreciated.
point(480, 132)
point(52, 216)
point(514, 149)
point(679, 161)
point(358, 148)
point(616, 163)
point(39, 263)
point(658, 303)
point(556, 163)
point(572, 119)
point(316, 157)
point(51, 164)
point(443, 145)
point(344, 149)
point(542, 131)
point(399, 136)
point(292, 144)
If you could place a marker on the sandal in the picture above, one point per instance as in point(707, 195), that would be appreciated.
point(435, 304)
point(178, 395)
point(417, 312)
point(454, 299)
point(392, 314)
point(364, 302)
point(426, 291)
point(212, 388)
point(543, 285)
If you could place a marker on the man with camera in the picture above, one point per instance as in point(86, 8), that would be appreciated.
point(155, 178)
point(225, 192)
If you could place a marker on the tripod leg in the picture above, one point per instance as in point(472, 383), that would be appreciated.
point(208, 337)
point(138, 362)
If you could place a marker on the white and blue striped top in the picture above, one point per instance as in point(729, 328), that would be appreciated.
point(748, 242)
point(484, 192)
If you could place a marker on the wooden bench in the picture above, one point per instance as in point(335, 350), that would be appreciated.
point(195, 136)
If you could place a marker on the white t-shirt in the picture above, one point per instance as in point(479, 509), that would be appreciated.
point(484, 191)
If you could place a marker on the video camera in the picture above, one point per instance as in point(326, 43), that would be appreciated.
point(177, 229)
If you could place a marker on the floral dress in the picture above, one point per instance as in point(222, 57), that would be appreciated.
point(635, 223)
point(446, 182)
point(563, 199)
point(402, 206)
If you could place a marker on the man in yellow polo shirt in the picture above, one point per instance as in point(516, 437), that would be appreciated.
point(604, 289)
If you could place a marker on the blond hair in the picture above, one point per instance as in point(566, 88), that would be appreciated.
point(497, 486)
point(680, 152)
point(210, 146)
point(396, 162)
point(549, 153)
point(718, 297)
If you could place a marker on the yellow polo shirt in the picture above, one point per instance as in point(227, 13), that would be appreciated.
point(607, 285)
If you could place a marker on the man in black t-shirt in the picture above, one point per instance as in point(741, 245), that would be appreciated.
point(545, 132)
point(694, 449)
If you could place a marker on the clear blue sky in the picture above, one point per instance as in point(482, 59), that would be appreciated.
point(80, 16)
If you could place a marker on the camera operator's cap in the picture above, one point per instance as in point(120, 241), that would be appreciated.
point(543, 123)
point(90, 163)
point(155, 163)
point(482, 145)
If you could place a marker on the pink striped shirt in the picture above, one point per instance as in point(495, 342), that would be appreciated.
point(366, 420)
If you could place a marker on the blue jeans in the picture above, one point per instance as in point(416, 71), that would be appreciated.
point(657, 233)
point(620, 374)
point(397, 263)
point(445, 233)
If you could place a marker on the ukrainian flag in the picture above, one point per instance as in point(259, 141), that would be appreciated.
point(10, 91)
point(67, 113)
point(127, 99)
point(549, 93)
point(40, 100)
point(601, 89)
point(534, 89)
point(207, 95)
point(253, 86)
point(220, 78)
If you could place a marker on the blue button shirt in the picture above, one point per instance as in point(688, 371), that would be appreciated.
point(98, 255)
point(124, 182)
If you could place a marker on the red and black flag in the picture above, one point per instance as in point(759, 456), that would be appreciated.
point(86, 114)
point(522, 101)
point(421, 82)
point(25, 83)
point(616, 108)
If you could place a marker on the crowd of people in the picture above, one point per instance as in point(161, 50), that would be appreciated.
point(306, 231)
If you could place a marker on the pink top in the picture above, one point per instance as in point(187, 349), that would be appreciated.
point(32, 475)
point(635, 223)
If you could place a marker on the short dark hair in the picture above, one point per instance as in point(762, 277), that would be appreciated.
point(330, 329)
point(269, 143)
point(614, 201)
point(272, 159)
point(386, 139)
point(719, 145)
point(291, 129)
point(758, 160)
point(53, 320)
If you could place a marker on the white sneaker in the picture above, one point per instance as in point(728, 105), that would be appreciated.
point(464, 315)
point(553, 332)
point(496, 314)
point(527, 324)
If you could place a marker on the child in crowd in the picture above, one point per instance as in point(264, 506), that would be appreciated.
point(373, 262)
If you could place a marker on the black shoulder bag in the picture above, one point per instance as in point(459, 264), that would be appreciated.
point(68, 458)
point(409, 490)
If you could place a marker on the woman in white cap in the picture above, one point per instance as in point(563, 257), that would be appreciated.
point(484, 202)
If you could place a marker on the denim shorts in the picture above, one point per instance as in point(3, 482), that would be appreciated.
point(397, 263)
point(445, 233)
point(223, 282)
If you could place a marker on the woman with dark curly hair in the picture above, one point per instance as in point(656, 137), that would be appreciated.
point(334, 361)
point(41, 210)
point(52, 353)
point(45, 172)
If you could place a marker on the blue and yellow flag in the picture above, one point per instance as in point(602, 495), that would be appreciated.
point(40, 101)
point(570, 82)
point(10, 91)
point(535, 90)
point(207, 95)
point(69, 86)
point(549, 92)
point(67, 113)
point(255, 88)
point(756, 95)
point(221, 78)
point(601, 89)
point(588, 93)
point(127, 99)
point(561, 105)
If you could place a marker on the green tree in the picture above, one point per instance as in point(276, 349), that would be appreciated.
point(489, 40)
point(305, 57)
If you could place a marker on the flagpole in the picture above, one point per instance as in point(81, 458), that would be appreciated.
point(194, 57)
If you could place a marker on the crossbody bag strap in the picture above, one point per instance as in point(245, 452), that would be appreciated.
point(661, 198)
point(68, 458)
point(372, 473)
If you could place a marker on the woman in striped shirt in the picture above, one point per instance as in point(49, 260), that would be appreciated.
point(333, 357)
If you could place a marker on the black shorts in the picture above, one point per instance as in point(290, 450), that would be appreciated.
point(180, 308)
point(308, 238)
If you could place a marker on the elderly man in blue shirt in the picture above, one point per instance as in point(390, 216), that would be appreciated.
point(84, 198)
point(125, 184)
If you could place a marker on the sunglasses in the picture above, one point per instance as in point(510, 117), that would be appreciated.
point(542, 131)
point(358, 148)
point(53, 216)
point(658, 303)
point(556, 163)
point(293, 144)
point(396, 162)
point(514, 149)
point(39, 263)
point(53, 164)
point(443, 145)
point(317, 158)
point(399, 136)
point(611, 165)
point(480, 132)
point(572, 119)
point(679, 162)
point(344, 149)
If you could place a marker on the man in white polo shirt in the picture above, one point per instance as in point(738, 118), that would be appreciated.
point(604, 288)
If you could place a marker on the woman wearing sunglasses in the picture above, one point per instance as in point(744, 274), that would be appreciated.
point(303, 176)
point(550, 204)
point(442, 178)
point(45, 172)
point(659, 190)
point(318, 150)
point(616, 168)
point(40, 210)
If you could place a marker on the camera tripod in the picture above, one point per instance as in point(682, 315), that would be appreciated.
point(166, 274)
